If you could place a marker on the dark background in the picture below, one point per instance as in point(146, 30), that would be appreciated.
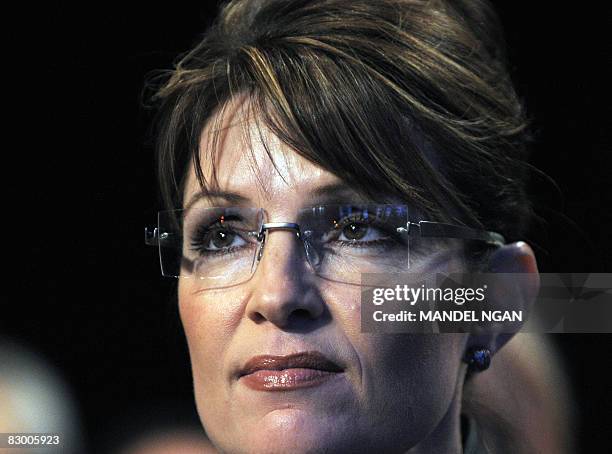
point(89, 297)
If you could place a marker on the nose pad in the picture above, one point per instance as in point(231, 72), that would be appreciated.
point(260, 249)
point(312, 255)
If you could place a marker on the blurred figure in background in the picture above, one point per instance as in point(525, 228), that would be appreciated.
point(35, 399)
point(172, 441)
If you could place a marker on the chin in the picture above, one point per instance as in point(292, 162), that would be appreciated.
point(297, 431)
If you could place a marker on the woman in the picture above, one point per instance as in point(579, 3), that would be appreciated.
point(282, 137)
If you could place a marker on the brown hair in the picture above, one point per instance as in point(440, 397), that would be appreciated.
point(408, 98)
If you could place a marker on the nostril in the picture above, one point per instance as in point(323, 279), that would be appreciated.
point(257, 317)
point(302, 313)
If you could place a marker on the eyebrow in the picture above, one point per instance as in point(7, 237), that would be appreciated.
point(229, 196)
point(329, 193)
point(335, 193)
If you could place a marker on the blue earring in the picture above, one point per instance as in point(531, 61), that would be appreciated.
point(478, 358)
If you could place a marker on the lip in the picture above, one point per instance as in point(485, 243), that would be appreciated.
point(289, 372)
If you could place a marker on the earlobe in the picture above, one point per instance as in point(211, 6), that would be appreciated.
point(512, 293)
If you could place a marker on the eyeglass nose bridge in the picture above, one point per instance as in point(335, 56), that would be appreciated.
point(269, 226)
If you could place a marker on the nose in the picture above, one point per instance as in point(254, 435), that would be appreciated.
point(284, 292)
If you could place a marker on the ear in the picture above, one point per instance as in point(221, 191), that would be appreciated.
point(511, 293)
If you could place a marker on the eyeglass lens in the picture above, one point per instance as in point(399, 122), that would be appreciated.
point(220, 245)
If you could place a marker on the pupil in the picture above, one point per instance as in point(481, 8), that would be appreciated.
point(355, 231)
point(222, 238)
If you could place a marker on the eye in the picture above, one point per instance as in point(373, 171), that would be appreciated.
point(355, 231)
point(222, 238)
point(217, 239)
point(359, 232)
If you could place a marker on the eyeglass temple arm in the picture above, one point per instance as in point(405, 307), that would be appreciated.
point(441, 230)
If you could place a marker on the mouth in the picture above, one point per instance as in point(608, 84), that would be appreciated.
point(285, 373)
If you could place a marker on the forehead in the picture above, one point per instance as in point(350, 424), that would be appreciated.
point(251, 160)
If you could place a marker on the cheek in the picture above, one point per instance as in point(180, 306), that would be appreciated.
point(344, 303)
point(208, 330)
point(209, 322)
point(411, 378)
point(407, 377)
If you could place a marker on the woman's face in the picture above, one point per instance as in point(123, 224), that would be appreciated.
point(371, 392)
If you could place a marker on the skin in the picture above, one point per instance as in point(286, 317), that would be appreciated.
point(397, 393)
